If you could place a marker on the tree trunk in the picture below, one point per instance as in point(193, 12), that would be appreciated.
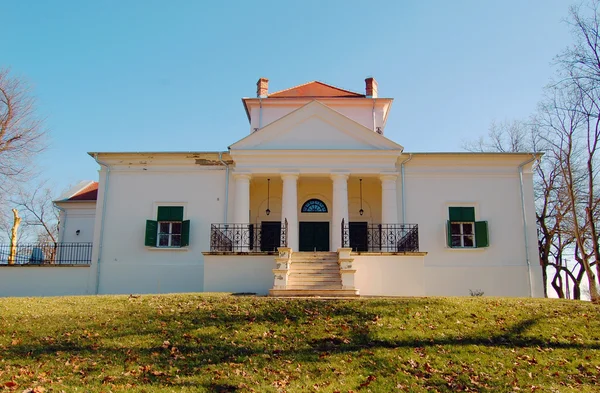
point(557, 284)
point(13, 237)
point(545, 279)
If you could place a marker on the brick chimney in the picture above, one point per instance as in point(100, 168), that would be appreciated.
point(262, 88)
point(371, 87)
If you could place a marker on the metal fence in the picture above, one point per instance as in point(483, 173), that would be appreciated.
point(381, 237)
point(47, 254)
point(247, 237)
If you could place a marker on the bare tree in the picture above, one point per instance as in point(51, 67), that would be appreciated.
point(553, 237)
point(571, 115)
point(21, 132)
point(38, 212)
point(505, 137)
point(519, 136)
point(568, 130)
point(13, 238)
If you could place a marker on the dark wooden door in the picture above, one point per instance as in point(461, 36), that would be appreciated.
point(270, 235)
point(314, 236)
point(359, 237)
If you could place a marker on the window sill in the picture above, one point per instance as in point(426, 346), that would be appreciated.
point(469, 249)
point(167, 248)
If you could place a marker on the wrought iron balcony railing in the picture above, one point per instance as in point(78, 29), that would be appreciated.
point(264, 237)
point(366, 237)
point(46, 254)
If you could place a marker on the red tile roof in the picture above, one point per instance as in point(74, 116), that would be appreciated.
point(314, 89)
point(89, 193)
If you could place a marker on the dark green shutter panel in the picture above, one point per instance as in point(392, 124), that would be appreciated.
point(163, 213)
point(151, 233)
point(468, 214)
point(449, 233)
point(455, 214)
point(462, 214)
point(170, 213)
point(481, 234)
point(185, 233)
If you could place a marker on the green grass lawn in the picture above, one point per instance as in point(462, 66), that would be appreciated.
point(225, 343)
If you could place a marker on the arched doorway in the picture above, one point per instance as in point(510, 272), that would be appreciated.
point(314, 235)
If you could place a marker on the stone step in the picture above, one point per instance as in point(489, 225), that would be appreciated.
point(315, 286)
point(304, 265)
point(315, 260)
point(312, 260)
point(297, 255)
point(314, 253)
point(316, 272)
point(322, 285)
point(302, 274)
point(314, 279)
point(314, 292)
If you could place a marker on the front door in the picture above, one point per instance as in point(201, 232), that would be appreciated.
point(314, 236)
point(359, 236)
point(270, 235)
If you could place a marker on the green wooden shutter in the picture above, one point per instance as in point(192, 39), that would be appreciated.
point(481, 234)
point(185, 233)
point(455, 214)
point(449, 233)
point(468, 214)
point(170, 213)
point(461, 214)
point(151, 233)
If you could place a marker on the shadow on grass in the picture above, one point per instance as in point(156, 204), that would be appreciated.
point(193, 339)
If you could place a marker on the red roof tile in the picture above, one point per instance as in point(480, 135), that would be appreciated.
point(89, 193)
point(314, 89)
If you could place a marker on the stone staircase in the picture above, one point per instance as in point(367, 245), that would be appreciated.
point(314, 274)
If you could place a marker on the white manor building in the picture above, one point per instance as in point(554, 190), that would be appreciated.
point(314, 201)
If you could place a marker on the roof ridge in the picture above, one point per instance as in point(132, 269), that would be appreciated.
point(91, 186)
point(291, 88)
point(319, 82)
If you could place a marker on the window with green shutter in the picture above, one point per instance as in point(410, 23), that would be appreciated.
point(462, 231)
point(169, 230)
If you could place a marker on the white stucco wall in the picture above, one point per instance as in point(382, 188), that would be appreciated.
point(497, 280)
point(77, 215)
point(239, 273)
point(44, 280)
point(491, 185)
point(134, 193)
point(363, 111)
point(389, 275)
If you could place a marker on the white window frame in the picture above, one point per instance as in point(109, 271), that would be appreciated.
point(462, 235)
point(169, 234)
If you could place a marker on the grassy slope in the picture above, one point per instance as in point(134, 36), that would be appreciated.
point(186, 343)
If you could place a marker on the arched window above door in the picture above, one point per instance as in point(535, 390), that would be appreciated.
point(314, 206)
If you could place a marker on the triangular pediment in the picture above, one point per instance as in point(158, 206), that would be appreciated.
point(315, 127)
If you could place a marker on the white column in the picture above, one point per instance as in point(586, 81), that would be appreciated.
point(289, 208)
point(241, 212)
point(340, 208)
point(389, 200)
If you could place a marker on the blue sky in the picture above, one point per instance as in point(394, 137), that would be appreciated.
point(168, 76)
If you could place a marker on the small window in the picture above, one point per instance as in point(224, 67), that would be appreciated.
point(463, 231)
point(169, 230)
point(314, 206)
point(169, 234)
